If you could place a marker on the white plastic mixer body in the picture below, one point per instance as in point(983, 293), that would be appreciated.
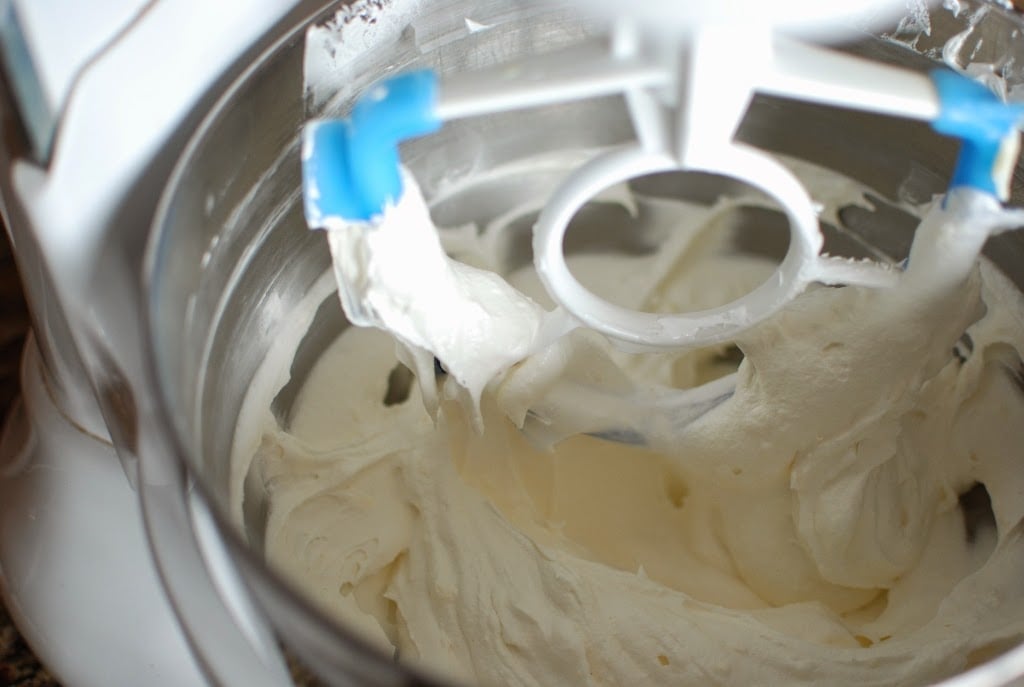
point(106, 95)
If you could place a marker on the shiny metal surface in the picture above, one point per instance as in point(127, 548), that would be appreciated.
point(231, 258)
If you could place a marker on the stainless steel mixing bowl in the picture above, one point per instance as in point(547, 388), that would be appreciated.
point(231, 257)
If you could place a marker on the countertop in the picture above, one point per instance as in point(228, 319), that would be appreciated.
point(18, 667)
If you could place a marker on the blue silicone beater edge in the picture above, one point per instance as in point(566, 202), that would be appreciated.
point(350, 166)
point(975, 115)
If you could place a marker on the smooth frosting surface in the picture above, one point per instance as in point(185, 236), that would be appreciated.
point(826, 524)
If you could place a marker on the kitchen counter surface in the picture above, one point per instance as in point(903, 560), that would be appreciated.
point(18, 667)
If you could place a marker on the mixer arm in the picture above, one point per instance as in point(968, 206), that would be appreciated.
point(699, 77)
point(351, 165)
point(577, 73)
point(686, 99)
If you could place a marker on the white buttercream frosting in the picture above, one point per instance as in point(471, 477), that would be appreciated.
point(821, 526)
point(395, 275)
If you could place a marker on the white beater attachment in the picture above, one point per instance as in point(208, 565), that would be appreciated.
point(687, 93)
